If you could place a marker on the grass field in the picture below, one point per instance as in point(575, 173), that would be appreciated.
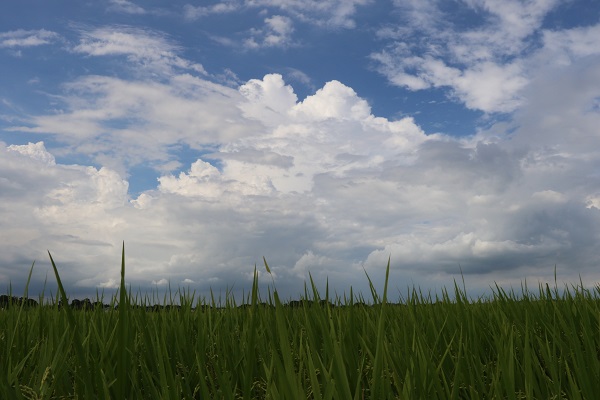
point(542, 345)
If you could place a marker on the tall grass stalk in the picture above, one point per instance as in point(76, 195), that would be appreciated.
point(510, 345)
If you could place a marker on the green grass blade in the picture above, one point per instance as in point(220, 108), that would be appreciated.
point(122, 335)
point(87, 380)
point(379, 384)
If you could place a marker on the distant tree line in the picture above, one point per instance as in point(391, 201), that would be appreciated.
point(7, 301)
point(12, 301)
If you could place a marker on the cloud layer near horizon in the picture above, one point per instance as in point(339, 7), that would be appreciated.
point(319, 185)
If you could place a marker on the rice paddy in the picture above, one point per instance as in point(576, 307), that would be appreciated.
point(542, 345)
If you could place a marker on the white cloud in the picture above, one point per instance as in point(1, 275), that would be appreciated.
point(191, 12)
point(486, 86)
point(267, 173)
point(327, 13)
point(276, 32)
point(490, 87)
point(53, 203)
point(300, 76)
point(36, 151)
point(565, 46)
point(333, 13)
point(27, 38)
point(130, 122)
point(486, 67)
point(334, 100)
point(125, 6)
point(269, 99)
point(110, 284)
point(146, 49)
point(512, 21)
point(204, 180)
point(332, 130)
point(278, 29)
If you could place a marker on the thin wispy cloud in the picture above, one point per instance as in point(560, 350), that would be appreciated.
point(27, 38)
point(192, 13)
point(327, 13)
point(125, 6)
point(332, 13)
point(147, 49)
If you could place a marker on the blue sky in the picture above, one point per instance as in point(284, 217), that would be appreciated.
point(324, 135)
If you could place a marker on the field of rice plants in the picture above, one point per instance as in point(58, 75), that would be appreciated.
point(542, 345)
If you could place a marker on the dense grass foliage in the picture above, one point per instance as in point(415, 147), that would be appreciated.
point(542, 346)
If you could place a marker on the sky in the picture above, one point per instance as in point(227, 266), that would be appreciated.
point(458, 139)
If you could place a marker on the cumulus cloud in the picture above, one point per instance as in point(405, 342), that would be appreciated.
point(334, 100)
point(269, 99)
point(264, 184)
point(204, 180)
point(330, 131)
point(36, 151)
